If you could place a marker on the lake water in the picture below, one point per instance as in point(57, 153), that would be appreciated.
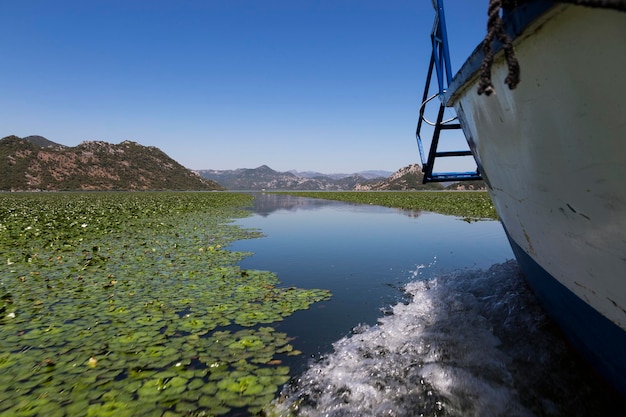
point(430, 316)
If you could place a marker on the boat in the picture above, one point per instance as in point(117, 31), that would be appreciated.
point(542, 105)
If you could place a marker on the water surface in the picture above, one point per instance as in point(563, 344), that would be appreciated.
point(429, 316)
point(363, 254)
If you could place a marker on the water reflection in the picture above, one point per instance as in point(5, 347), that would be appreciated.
point(429, 316)
point(363, 254)
point(265, 204)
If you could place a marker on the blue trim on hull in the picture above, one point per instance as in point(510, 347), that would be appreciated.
point(598, 339)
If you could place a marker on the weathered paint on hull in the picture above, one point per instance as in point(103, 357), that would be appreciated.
point(553, 152)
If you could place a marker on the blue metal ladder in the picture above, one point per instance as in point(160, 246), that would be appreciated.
point(439, 62)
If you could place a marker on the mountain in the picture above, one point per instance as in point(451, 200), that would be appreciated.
point(407, 178)
point(411, 177)
point(43, 142)
point(373, 174)
point(35, 163)
point(265, 178)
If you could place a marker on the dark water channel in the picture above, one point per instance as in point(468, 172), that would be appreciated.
point(430, 316)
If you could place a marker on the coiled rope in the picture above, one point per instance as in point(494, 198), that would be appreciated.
point(495, 30)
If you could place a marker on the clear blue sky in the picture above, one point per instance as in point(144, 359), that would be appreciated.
point(326, 85)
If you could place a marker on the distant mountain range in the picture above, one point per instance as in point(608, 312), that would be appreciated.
point(265, 178)
point(36, 163)
point(373, 174)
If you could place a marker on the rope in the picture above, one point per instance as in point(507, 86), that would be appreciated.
point(495, 29)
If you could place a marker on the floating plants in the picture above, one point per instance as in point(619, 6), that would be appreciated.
point(469, 206)
point(126, 304)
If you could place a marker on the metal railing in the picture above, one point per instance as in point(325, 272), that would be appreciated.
point(440, 65)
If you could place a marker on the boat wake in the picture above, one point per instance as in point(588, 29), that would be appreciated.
point(473, 343)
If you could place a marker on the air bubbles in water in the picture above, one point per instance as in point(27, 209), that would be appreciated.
point(469, 344)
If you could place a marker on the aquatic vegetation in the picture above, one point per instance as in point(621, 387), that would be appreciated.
point(467, 205)
point(128, 303)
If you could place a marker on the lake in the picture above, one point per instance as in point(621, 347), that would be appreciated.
point(430, 316)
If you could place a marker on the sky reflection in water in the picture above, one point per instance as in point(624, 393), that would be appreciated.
point(363, 254)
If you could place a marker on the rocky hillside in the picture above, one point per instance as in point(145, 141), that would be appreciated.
point(265, 178)
point(407, 178)
point(35, 163)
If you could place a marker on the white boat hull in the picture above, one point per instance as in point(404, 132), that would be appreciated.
point(553, 152)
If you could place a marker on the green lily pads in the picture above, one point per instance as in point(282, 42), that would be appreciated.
point(130, 312)
point(111, 409)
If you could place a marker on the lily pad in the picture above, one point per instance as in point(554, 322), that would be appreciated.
point(127, 311)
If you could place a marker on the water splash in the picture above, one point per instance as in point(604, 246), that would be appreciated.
point(468, 344)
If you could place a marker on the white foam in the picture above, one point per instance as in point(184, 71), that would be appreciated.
point(434, 356)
